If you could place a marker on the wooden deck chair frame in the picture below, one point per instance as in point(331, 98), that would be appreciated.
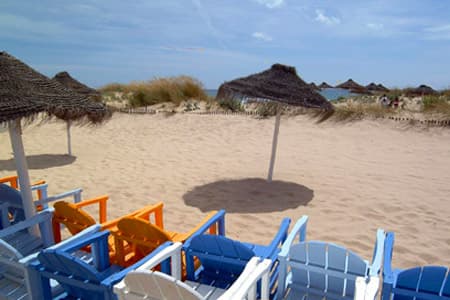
point(144, 283)
point(325, 269)
point(153, 216)
point(426, 282)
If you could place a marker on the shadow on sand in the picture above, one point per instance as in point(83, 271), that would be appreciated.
point(41, 161)
point(248, 196)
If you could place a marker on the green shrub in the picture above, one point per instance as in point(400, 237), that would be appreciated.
point(267, 109)
point(432, 103)
point(234, 105)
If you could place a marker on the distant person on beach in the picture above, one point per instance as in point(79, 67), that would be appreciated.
point(385, 101)
point(395, 102)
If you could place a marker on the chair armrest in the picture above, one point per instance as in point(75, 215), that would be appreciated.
point(42, 217)
point(377, 259)
point(278, 239)
point(157, 256)
point(299, 230)
point(366, 289)
point(75, 193)
point(218, 219)
point(155, 209)
point(101, 201)
point(147, 210)
point(388, 273)
point(211, 219)
point(86, 237)
point(12, 180)
point(86, 232)
point(246, 283)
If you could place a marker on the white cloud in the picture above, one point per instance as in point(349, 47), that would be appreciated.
point(271, 3)
point(441, 32)
point(327, 20)
point(375, 26)
point(262, 36)
point(442, 28)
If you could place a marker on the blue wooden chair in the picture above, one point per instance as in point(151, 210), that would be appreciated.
point(85, 275)
point(11, 209)
point(223, 260)
point(428, 282)
point(317, 270)
point(17, 248)
point(147, 283)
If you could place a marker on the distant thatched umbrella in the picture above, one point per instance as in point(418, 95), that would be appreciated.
point(24, 93)
point(353, 87)
point(382, 88)
point(372, 87)
point(280, 83)
point(314, 86)
point(421, 90)
point(325, 85)
point(71, 83)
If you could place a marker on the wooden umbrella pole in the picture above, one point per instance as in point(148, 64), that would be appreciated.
point(274, 144)
point(69, 143)
point(15, 134)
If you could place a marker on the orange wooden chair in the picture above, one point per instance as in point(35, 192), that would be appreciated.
point(137, 236)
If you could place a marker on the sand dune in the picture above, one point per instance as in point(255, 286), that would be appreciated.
point(350, 178)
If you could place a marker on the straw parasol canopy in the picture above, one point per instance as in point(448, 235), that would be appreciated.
point(71, 83)
point(279, 83)
point(75, 86)
point(24, 93)
point(353, 87)
point(373, 87)
point(325, 85)
point(421, 90)
point(314, 86)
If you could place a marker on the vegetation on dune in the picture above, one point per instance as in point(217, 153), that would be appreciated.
point(159, 90)
point(234, 105)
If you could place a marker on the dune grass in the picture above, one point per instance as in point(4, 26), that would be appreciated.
point(159, 90)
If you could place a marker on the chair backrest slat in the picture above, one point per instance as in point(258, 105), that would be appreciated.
point(325, 267)
point(432, 279)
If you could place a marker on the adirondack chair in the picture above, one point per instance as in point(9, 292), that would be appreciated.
point(75, 218)
point(17, 247)
point(146, 283)
point(427, 282)
point(78, 276)
point(317, 269)
point(11, 210)
point(137, 236)
point(223, 260)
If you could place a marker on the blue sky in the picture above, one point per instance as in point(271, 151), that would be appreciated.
point(396, 42)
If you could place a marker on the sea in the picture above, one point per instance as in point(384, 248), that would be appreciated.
point(329, 93)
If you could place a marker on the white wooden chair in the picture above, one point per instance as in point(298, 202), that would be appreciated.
point(147, 284)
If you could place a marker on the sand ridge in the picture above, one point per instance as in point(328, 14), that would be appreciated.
point(350, 178)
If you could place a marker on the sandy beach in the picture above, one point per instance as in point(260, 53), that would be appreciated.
point(350, 178)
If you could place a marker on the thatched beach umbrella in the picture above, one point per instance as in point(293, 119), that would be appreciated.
point(314, 86)
point(280, 83)
point(71, 83)
point(24, 93)
point(353, 87)
point(421, 90)
point(372, 87)
point(324, 85)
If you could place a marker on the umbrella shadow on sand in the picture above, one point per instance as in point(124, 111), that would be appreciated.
point(39, 162)
point(248, 195)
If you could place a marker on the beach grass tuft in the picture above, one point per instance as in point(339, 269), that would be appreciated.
point(171, 89)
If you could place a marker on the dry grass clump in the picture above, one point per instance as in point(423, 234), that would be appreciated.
point(353, 111)
point(112, 87)
point(437, 105)
point(159, 90)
